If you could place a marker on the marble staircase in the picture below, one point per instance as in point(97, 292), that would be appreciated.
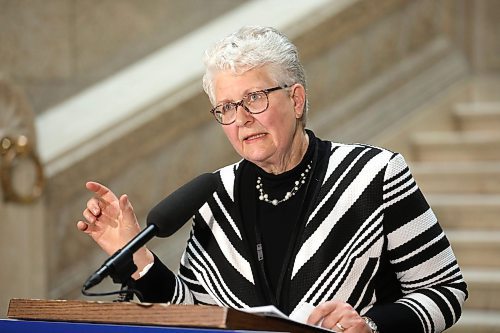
point(458, 168)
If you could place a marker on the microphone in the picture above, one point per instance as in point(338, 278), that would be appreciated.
point(168, 216)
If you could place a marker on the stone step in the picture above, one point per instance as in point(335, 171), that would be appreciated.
point(476, 248)
point(470, 211)
point(484, 116)
point(483, 285)
point(456, 146)
point(457, 177)
point(477, 321)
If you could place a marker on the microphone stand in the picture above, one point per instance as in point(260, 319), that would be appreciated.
point(122, 274)
point(120, 266)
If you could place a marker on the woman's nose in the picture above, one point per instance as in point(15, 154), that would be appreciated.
point(242, 116)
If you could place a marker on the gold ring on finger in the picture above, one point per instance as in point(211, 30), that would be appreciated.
point(340, 327)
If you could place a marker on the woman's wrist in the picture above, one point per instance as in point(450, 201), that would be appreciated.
point(143, 259)
point(371, 324)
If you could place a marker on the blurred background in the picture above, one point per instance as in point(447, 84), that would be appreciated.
point(110, 90)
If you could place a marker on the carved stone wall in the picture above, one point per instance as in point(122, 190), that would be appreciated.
point(482, 35)
point(22, 224)
point(56, 48)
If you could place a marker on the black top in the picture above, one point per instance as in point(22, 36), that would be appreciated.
point(274, 224)
point(275, 228)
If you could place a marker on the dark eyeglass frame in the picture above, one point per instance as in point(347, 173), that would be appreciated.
point(240, 103)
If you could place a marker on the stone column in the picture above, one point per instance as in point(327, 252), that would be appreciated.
point(23, 268)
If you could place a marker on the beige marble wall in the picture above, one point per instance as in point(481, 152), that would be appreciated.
point(485, 43)
point(379, 38)
point(55, 48)
point(23, 259)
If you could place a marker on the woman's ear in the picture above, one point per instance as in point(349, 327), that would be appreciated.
point(298, 93)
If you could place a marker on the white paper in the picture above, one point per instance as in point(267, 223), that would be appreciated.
point(300, 314)
point(266, 310)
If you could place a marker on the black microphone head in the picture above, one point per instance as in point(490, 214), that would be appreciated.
point(170, 214)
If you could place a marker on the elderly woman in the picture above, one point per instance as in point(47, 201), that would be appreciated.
point(342, 228)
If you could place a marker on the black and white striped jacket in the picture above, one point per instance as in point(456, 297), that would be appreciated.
point(371, 240)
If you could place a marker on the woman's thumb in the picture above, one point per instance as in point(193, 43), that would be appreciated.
point(126, 208)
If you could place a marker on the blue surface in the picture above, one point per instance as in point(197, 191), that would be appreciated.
point(28, 326)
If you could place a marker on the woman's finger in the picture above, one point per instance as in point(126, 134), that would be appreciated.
point(335, 321)
point(127, 209)
point(344, 319)
point(86, 227)
point(82, 226)
point(321, 311)
point(89, 216)
point(97, 188)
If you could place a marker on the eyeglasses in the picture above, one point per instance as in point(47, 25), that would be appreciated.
point(254, 103)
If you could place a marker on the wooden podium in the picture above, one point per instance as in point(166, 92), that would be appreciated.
point(30, 315)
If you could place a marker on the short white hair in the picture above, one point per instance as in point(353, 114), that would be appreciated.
point(252, 47)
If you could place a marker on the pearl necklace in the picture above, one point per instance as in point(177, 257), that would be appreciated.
point(297, 185)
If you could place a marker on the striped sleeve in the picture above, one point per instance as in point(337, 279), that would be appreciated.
point(420, 255)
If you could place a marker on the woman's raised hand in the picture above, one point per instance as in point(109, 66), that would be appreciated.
point(110, 220)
